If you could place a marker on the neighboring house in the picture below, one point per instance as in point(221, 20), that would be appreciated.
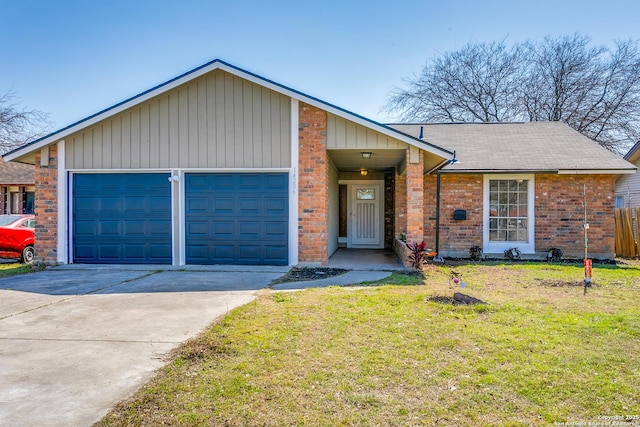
point(17, 188)
point(222, 166)
point(628, 186)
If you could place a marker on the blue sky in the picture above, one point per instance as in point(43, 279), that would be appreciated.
point(74, 58)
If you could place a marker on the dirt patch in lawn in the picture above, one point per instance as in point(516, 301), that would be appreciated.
point(303, 274)
point(561, 284)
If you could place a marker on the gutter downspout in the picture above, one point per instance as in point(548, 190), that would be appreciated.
point(437, 249)
point(437, 171)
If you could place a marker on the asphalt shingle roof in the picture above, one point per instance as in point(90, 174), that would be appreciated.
point(532, 146)
point(12, 173)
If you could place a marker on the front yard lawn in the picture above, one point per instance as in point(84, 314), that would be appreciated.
point(540, 352)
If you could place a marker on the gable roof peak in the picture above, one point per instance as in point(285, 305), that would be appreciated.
point(239, 72)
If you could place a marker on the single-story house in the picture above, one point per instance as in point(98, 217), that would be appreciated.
point(222, 166)
point(17, 188)
point(628, 186)
point(521, 185)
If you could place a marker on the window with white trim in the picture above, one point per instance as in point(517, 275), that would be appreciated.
point(508, 213)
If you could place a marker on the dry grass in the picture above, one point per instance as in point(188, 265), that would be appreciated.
point(540, 352)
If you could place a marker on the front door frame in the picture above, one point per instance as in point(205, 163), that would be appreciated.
point(350, 218)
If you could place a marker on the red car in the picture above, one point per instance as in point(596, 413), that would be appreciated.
point(16, 237)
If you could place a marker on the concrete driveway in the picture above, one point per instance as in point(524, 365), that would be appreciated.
point(75, 341)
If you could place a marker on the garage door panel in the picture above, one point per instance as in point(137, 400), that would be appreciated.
point(85, 251)
point(273, 205)
point(223, 205)
point(247, 217)
point(199, 204)
point(109, 252)
point(275, 181)
point(223, 252)
point(249, 206)
point(109, 228)
point(159, 227)
point(110, 204)
point(249, 253)
point(249, 229)
point(122, 218)
point(274, 229)
point(135, 227)
point(86, 228)
point(222, 229)
point(273, 253)
point(134, 252)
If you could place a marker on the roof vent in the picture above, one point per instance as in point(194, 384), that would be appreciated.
point(421, 132)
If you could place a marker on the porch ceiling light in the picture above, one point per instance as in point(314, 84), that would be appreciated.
point(366, 154)
point(364, 172)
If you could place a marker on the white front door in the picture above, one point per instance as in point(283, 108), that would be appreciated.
point(366, 216)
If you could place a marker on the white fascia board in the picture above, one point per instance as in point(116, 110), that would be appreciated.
point(596, 171)
point(261, 81)
point(64, 207)
point(293, 186)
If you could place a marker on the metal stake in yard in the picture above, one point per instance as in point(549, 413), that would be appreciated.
point(587, 262)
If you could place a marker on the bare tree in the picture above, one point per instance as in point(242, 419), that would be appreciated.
point(594, 90)
point(476, 83)
point(19, 125)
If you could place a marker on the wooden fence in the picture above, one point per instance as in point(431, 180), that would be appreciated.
point(627, 232)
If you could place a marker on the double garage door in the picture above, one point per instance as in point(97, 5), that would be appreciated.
point(229, 218)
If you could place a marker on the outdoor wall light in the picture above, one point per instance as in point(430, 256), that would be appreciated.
point(366, 154)
point(364, 172)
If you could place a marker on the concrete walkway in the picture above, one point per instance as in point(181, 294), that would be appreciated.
point(365, 259)
point(350, 278)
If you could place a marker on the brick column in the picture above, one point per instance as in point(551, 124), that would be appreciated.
point(400, 224)
point(3, 200)
point(313, 188)
point(415, 197)
point(22, 199)
point(46, 208)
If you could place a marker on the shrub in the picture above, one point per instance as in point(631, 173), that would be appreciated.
point(512, 254)
point(475, 253)
point(554, 255)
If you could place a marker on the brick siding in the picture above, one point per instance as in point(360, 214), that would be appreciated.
point(46, 208)
point(389, 210)
point(560, 214)
point(415, 198)
point(313, 186)
point(400, 207)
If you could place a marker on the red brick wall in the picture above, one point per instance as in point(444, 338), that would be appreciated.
point(389, 210)
point(46, 208)
point(313, 188)
point(400, 196)
point(460, 192)
point(560, 214)
point(415, 199)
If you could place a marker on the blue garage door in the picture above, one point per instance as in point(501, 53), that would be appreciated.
point(122, 218)
point(237, 218)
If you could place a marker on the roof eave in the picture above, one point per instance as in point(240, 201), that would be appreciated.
point(204, 69)
point(545, 171)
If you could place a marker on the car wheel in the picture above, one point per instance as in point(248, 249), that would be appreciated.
point(28, 254)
